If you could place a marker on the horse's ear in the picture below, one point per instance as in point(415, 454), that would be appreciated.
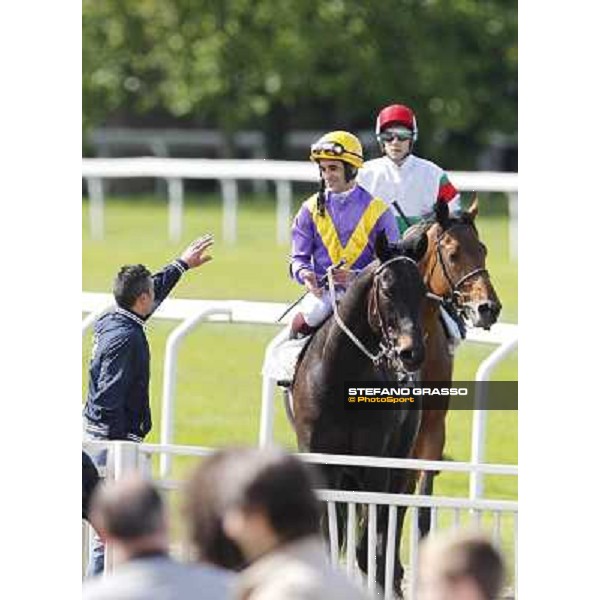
point(382, 248)
point(474, 208)
point(416, 246)
point(442, 214)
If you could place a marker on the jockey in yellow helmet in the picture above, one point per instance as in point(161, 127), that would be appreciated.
point(339, 224)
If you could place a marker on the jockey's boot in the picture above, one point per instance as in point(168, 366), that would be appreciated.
point(300, 328)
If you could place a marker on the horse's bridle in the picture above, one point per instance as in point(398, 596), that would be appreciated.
point(388, 350)
point(456, 294)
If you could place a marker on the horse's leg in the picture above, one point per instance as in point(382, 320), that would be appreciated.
point(404, 484)
point(425, 489)
point(379, 480)
point(430, 441)
point(333, 478)
point(429, 446)
point(402, 481)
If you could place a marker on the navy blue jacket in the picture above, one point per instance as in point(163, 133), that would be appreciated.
point(118, 403)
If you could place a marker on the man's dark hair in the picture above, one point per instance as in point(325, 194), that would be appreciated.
point(282, 486)
point(204, 509)
point(131, 281)
point(128, 509)
point(270, 481)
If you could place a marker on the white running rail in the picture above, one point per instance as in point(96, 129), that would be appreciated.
point(229, 172)
point(195, 312)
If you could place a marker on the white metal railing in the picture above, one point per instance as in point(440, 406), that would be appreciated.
point(195, 312)
point(229, 172)
point(128, 456)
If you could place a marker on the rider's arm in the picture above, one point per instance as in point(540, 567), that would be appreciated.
point(303, 234)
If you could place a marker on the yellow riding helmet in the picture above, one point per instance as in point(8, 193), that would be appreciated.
point(338, 145)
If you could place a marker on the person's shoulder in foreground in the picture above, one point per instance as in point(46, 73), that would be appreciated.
point(161, 578)
point(300, 570)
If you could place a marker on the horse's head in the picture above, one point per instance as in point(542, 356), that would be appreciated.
point(456, 266)
point(396, 300)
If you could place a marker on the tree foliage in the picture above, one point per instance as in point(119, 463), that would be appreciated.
point(281, 64)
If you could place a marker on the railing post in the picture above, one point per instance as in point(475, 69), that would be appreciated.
point(478, 433)
point(284, 209)
point(175, 191)
point(229, 190)
point(265, 436)
point(513, 225)
point(96, 210)
point(170, 377)
point(123, 457)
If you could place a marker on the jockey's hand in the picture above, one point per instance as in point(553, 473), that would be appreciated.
point(310, 281)
point(193, 255)
point(343, 276)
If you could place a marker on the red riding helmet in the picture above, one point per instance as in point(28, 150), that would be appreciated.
point(400, 114)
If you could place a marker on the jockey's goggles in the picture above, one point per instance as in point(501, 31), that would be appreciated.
point(334, 149)
point(401, 134)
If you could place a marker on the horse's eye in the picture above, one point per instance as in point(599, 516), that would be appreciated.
point(453, 256)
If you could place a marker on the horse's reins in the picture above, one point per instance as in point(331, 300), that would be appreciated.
point(387, 349)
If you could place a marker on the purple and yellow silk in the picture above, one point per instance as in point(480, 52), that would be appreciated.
point(347, 231)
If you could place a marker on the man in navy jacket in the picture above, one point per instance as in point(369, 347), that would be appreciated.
point(118, 404)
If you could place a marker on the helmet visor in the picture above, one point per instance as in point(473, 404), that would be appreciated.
point(333, 149)
point(400, 133)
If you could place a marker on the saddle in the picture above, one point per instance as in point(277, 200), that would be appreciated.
point(281, 362)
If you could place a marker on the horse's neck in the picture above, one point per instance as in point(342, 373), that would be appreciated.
point(429, 268)
point(338, 346)
point(431, 313)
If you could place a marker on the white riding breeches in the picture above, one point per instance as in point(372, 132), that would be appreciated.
point(315, 310)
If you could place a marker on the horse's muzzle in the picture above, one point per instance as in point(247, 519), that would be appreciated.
point(483, 314)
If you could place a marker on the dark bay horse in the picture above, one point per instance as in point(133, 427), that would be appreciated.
point(382, 309)
point(454, 270)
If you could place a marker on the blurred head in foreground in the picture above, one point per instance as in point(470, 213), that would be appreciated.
point(252, 499)
point(459, 565)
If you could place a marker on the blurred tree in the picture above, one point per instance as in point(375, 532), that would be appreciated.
point(280, 64)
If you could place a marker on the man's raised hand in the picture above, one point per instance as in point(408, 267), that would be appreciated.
point(193, 255)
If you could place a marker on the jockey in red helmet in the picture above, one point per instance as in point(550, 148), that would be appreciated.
point(408, 183)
